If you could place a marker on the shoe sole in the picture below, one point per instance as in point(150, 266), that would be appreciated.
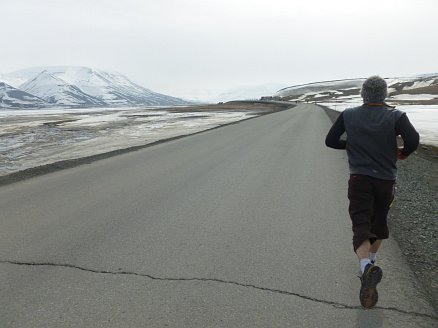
point(368, 291)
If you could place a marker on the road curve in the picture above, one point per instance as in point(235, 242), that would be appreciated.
point(242, 226)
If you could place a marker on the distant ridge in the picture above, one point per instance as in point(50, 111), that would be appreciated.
point(77, 86)
point(426, 84)
point(322, 82)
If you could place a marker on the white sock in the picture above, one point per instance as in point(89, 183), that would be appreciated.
point(373, 257)
point(364, 263)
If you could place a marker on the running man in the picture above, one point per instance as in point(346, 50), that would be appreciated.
point(372, 151)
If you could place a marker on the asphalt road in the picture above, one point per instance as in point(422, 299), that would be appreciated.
point(242, 226)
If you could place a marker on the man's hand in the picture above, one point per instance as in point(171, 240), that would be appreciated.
point(400, 154)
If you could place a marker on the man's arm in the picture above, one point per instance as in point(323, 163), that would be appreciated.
point(410, 136)
point(333, 137)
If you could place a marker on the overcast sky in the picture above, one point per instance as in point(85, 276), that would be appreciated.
point(185, 47)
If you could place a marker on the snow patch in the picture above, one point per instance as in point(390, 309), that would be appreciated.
point(413, 97)
point(425, 120)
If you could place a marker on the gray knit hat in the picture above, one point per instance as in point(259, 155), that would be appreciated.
point(374, 89)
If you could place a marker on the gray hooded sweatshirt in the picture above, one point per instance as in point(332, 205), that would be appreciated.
point(371, 139)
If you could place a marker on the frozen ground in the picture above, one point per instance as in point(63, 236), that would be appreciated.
point(423, 117)
point(29, 138)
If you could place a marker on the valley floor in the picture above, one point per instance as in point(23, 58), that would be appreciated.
point(32, 138)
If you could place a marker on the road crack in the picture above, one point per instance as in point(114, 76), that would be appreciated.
point(221, 281)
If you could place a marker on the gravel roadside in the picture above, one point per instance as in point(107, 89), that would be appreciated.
point(413, 220)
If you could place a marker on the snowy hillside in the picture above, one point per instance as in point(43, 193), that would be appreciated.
point(57, 91)
point(320, 87)
point(410, 89)
point(74, 86)
point(11, 97)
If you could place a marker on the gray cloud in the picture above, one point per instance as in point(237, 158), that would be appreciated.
point(187, 46)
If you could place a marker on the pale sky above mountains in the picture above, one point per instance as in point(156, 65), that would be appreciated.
point(190, 47)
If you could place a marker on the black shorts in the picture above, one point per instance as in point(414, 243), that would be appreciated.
point(370, 199)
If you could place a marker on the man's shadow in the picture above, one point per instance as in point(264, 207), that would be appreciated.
point(369, 318)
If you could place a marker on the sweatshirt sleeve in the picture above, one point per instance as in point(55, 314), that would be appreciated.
point(410, 136)
point(332, 139)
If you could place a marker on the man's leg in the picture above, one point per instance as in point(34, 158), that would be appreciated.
point(361, 208)
point(363, 251)
point(363, 254)
point(384, 195)
point(371, 274)
point(373, 250)
point(367, 251)
point(375, 246)
point(360, 194)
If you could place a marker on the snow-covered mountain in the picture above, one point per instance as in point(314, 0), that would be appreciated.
point(82, 86)
point(57, 91)
point(11, 97)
